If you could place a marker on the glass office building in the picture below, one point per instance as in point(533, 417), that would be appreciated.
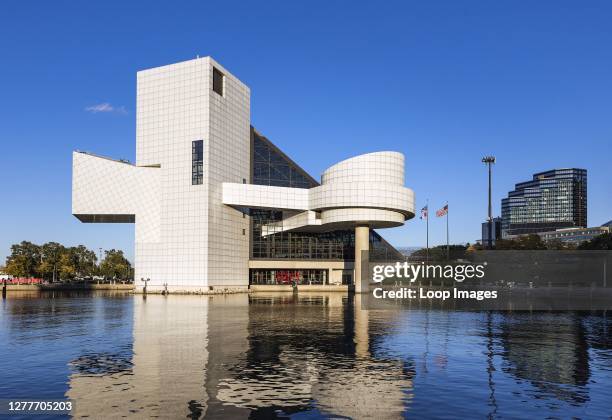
point(552, 200)
point(495, 231)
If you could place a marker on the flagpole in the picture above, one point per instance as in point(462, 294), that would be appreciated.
point(447, 244)
point(427, 220)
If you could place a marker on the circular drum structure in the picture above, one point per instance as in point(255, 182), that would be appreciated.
point(367, 190)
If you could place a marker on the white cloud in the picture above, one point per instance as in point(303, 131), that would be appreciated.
point(105, 107)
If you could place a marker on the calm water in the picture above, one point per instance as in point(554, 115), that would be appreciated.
point(311, 356)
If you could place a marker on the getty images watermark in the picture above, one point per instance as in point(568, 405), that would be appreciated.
point(406, 272)
point(491, 280)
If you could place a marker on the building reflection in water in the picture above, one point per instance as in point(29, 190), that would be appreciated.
point(558, 364)
point(271, 355)
point(167, 368)
point(240, 356)
point(317, 357)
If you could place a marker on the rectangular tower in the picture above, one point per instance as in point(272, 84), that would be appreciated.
point(193, 122)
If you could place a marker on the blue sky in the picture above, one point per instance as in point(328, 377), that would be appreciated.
point(444, 82)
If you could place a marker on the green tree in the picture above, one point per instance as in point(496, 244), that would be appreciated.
point(51, 253)
point(83, 260)
point(438, 253)
point(559, 245)
point(53, 261)
point(17, 266)
point(603, 241)
point(525, 242)
point(23, 260)
point(45, 269)
point(115, 265)
point(66, 265)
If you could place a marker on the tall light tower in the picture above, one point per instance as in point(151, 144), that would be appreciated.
point(489, 161)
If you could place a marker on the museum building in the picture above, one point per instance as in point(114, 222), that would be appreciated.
point(216, 205)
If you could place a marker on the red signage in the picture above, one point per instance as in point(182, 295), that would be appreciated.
point(23, 280)
point(287, 276)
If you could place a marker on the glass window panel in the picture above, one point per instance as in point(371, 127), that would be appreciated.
point(197, 162)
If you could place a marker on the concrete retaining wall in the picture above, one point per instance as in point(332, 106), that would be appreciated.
point(36, 287)
point(322, 288)
point(271, 288)
point(215, 291)
point(180, 290)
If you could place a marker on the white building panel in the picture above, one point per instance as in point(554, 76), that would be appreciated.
point(265, 197)
point(109, 191)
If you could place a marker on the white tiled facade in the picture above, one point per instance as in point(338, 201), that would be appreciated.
point(106, 189)
point(195, 237)
point(265, 197)
point(200, 242)
point(201, 239)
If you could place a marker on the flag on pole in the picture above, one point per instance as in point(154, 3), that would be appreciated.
point(424, 212)
point(443, 211)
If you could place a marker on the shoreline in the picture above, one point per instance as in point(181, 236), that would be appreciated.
point(131, 288)
point(44, 287)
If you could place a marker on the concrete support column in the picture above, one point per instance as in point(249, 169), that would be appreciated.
point(362, 243)
point(362, 335)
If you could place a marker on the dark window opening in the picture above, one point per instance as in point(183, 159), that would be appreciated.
point(347, 277)
point(197, 162)
point(218, 81)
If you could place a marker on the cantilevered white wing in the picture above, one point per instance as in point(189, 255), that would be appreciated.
point(111, 191)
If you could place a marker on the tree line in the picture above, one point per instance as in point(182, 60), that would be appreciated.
point(53, 261)
point(535, 242)
point(524, 243)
